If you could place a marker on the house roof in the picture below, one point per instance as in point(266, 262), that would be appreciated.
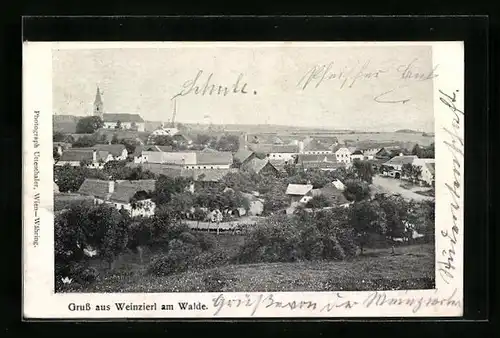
point(329, 191)
point(322, 165)
point(357, 152)
point(351, 149)
point(273, 148)
point(298, 189)
point(77, 155)
point(400, 160)
point(125, 190)
point(206, 175)
point(123, 117)
point(113, 149)
point(94, 187)
point(432, 167)
point(62, 144)
point(242, 154)
point(315, 145)
point(257, 164)
point(218, 157)
point(139, 149)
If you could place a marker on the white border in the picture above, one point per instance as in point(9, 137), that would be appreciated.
point(41, 302)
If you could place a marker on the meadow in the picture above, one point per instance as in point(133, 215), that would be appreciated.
point(410, 267)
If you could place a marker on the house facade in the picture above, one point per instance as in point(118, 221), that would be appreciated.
point(123, 121)
point(187, 159)
point(357, 155)
point(276, 151)
point(343, 155)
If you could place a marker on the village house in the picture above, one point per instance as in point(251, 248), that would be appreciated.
point(357, 155)
point(94, 157)
point(299, 194)
point(428, 170)
point(370, 153)
point(343, 155)
point(274, 151)
point(188, 159)
point(261, 166)
point(325, 162)
point(313, 147)
point(395, 164)
point(133, 196)
point(334, 195)
point(59, 147)
point(243, 156)
point(124, 121)
point(138, 152)
point(202, 178)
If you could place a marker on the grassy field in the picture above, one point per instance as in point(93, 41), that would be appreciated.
point(411, 267)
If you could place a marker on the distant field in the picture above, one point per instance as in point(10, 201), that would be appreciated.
point(387, 137)
point(412, 267)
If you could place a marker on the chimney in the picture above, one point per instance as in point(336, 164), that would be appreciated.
point(94, 155)
point(111, 187)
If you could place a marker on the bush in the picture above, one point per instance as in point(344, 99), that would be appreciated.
point(80, 274)
point(205, 241)
point(216, 281)
point(179, 258)
point(212, 259)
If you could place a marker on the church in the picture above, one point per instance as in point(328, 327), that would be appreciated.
point(117, 120)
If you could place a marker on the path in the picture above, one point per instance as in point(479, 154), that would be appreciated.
point(391, 186)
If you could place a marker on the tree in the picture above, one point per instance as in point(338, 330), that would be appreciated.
point(356, 190)
point(228, 143)
point(58, 136)
point(318, 202)
point(367, 218)
point(199, 215)
point(416, 150)
point(118, 125)
point(364, 170)
point(164, 140)
point(242, 180)
point(396, 211)
point(85, 142)
point(71, 178)
point(56, 155)
point(89, 125)
point(180, 204)
point(236, 163)
point(203, 139)
point(133, 126)
point(129, 144)
point(166, 186)
point(101, 227)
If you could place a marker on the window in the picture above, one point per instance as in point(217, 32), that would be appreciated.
point(211, 167)
point(204, 167)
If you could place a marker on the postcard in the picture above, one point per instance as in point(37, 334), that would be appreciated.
point(211, 180)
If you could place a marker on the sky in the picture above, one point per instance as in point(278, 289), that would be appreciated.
point(369, 88)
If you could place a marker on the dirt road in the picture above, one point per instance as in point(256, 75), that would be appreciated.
point(391, 186)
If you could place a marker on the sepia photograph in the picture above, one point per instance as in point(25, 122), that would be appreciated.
point(237, 179)
point(179, 170)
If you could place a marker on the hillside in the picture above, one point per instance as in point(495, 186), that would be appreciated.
point(411, 267)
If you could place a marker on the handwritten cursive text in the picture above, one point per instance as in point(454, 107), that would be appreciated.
point(456, 146)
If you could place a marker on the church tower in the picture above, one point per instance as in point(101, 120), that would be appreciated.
point(98, 105)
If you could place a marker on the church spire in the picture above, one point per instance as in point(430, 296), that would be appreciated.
point(98, 104)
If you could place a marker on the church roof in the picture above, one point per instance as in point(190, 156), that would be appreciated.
point(123, 117)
